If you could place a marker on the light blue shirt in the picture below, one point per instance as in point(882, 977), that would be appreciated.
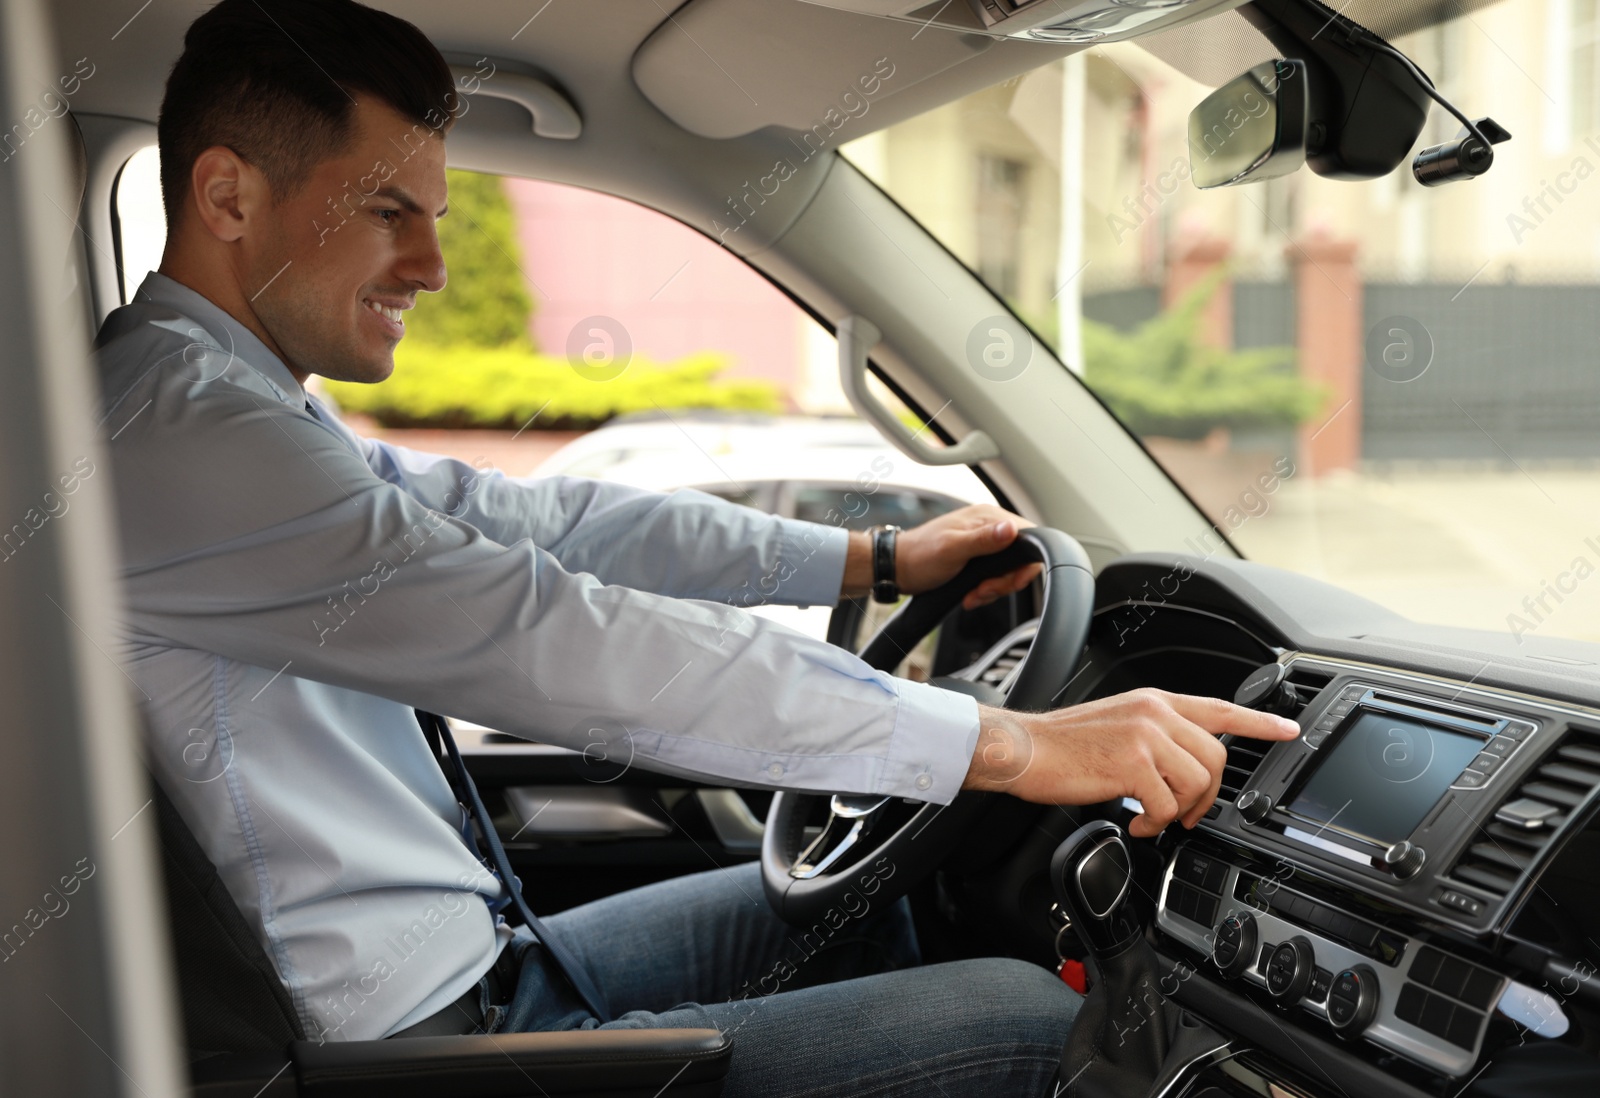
point(292, 590)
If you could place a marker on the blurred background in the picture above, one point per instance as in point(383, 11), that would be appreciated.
point(1386, 386)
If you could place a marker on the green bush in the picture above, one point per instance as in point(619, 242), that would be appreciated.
point(485, 301)
point(1161, 379)
point(468, 360)
point(504, 387)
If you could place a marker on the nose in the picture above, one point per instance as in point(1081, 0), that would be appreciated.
point(422, 262)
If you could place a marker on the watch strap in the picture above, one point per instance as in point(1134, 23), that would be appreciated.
point(884, 587)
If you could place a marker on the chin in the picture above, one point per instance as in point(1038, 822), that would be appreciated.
point(361, 373)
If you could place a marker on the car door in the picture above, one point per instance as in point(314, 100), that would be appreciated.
point(86, 999)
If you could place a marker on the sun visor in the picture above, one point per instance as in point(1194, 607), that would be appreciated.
point(720, 69)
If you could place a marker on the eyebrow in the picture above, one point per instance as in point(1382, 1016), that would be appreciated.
point(407, 203)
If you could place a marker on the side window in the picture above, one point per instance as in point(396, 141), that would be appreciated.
point(140, 220)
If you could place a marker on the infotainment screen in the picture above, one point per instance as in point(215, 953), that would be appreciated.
point(1382, 775)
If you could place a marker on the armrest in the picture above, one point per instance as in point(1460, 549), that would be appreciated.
point(617, 1063)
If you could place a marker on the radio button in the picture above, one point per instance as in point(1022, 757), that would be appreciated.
point(1436, 1013)
point(1460, 901)
point(1499, 747)
point(1480, 988)
point(1403, 859)
point(1485, 763)
point(1451, 977)
point(1408, 1008)
point(1361, 934)
point(1425, 967)
point(1201, 871)
point(1253, 805)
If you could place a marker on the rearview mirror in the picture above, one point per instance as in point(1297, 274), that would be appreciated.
point(1252, 128)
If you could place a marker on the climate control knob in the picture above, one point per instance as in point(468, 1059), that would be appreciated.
point(1352, 1000)
point(1290, 969)
point(1235, 943)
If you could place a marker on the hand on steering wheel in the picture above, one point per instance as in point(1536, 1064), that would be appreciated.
point(932, 554)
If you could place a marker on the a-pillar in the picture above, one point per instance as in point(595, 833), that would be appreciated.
point(1328, 308)
point(1194, 257)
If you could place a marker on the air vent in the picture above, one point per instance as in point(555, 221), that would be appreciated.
point(997, 673)
point(1531, 815)
point(999, 667)
point(1245, 755)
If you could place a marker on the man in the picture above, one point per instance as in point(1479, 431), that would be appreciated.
point(294, 590)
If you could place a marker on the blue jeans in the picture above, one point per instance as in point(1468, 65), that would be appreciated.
point(831, 1011)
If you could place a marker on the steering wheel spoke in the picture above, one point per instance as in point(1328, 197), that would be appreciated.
point(849, 820)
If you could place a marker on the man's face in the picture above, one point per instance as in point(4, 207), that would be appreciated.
point(358, 237)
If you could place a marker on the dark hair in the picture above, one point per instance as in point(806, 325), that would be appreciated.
point(273, 81)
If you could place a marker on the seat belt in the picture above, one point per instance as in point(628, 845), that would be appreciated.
point(437, 731)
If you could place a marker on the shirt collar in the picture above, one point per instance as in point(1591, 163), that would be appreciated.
point(227, 334)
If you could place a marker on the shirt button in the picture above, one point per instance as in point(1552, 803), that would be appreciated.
point(924, 781)
point(775, 770)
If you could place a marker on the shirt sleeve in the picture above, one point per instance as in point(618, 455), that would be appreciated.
point(257, 533)
point(687, 544)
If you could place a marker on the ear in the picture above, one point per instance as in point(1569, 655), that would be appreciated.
point(226, 192)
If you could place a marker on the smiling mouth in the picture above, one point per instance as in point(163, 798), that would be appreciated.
point(389, 312)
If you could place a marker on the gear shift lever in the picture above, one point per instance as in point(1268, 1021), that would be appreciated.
point(1128, 1025)
point(1092, 872)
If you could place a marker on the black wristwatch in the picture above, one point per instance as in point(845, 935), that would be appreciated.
point(884, 587)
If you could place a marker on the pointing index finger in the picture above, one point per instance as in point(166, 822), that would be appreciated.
point(1217, 717)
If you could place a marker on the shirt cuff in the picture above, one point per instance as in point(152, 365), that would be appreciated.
point(815, 555)
point(930, 750)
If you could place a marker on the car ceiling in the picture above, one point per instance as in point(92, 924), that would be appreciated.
point(791, 58)
point(718, 68)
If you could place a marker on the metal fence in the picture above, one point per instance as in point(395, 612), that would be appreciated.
point(1514, 373)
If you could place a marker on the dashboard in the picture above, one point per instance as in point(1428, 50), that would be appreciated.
point(1410, 889)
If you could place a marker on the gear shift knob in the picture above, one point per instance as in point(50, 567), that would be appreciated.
point(1092, 873)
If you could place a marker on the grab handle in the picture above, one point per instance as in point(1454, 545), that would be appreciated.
point(857, 337)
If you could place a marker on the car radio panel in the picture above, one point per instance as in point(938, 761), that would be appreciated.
point(1354, 870)
point(1389, 782)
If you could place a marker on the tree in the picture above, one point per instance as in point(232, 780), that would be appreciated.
point(1162, 379)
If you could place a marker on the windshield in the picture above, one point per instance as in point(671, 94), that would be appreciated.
point(1389, 387)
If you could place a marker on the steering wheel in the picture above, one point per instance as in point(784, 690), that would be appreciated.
point(873, 850)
